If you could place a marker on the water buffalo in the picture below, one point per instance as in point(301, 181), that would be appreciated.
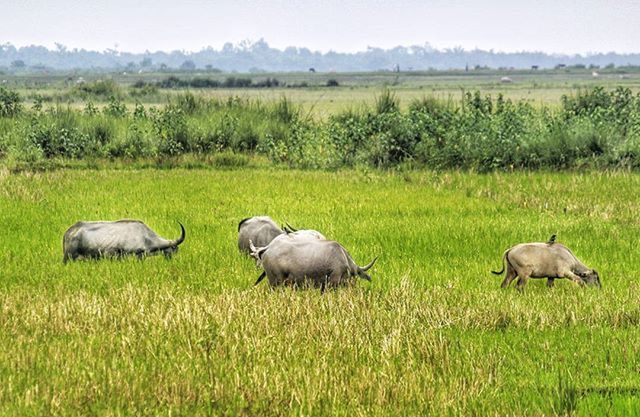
point(261, 230)
point(289, 230)
point(116, 239)
point(299, 260)
point(544, 260)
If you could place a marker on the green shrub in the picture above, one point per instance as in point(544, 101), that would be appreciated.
point(10, 103)
point(115, 108)
point(285, 111)
point(171, 129)
point(135, 144)
point(144, 90)
point(387, 102)
point(99, 88)
point(55, 139)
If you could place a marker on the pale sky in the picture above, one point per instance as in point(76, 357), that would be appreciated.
point(553, 26)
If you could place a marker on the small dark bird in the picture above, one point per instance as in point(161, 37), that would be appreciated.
point(552, 240)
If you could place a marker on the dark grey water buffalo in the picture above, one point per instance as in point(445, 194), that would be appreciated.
point(261, 230)
point(299, 260)
point(544, 260)
point(116, 239)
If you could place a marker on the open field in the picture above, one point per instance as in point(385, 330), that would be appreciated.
point(433, 333)
point(544, 87)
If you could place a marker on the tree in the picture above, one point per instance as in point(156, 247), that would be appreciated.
point(188, 65)
point(146, 62)
point(18, 63)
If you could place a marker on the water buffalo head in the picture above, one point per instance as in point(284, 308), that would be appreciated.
point(591, 278)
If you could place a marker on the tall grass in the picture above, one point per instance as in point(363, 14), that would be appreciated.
point(596, 128)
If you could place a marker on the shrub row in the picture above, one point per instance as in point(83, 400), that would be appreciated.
point(595, 128)
point(229, 82)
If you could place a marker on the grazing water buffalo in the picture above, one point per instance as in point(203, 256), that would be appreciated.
point(289, 230)
point(116, 239)
point(544, 260)
point(309, 233)
point(297, 260)
point(262, 230)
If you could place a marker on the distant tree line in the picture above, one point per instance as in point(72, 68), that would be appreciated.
point(256, 57)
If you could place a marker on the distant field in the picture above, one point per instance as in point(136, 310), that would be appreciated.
point(355, 89)
point(432, 334)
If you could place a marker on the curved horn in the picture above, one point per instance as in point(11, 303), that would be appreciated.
point(261, 277)
point(182, 235)
point(171, 243)
point(242, 222)
point(369, 265)
point(293, 229)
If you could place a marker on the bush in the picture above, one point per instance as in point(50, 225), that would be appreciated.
point(10, 103)
point(143, 89)
point(56, 139)
point(170, 127)
point(100, 88)
point(189, 104)
point(115, 108)
point(387, 102)
point(285, 111)
point(135, 144)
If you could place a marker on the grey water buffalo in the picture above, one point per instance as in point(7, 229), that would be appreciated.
point(544, 260)
point(300, 260)
point(116, 239)
point(261, 230)
point(289, 230)
point(298, 235)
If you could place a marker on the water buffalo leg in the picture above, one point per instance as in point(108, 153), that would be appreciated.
point(511, 274)
point(550, 282)
point(573, 277)
point(522, 281)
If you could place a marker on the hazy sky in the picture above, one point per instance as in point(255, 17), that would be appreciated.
point(570, 26)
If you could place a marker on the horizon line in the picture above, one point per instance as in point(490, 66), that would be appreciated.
point(246, 44)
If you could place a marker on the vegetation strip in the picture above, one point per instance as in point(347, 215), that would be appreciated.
point(597, 128)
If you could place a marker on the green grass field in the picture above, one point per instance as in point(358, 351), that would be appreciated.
point(432, 334)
